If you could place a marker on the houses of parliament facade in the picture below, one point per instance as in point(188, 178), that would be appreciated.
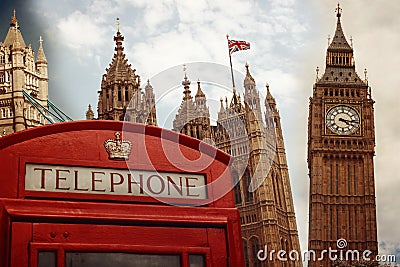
point(253, 139)
point(341, 142)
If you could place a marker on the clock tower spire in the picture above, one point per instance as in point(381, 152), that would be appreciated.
point(341, 146)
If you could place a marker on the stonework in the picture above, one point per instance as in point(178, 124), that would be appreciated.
point(267, 214)
point(341, 145)
point(21, 73)
point(121, 97)
point(256, 143)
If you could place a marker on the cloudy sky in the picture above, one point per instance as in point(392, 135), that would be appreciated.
point(288, 41)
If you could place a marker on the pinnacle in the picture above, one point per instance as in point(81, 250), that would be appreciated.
point(41, 57)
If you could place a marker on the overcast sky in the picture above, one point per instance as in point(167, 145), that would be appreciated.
point(288, 41)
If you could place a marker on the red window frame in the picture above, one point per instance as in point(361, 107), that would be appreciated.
point(55, 237)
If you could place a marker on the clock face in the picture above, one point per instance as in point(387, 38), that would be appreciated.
point(343, 120)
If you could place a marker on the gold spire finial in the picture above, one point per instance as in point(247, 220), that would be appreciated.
point(365, 75)
point(118, 23)
point(351, 41)
point(267, 85)
point(338, 10)
point(317, 70)
point(40, 40)
point(227, 36)
point(329, 39)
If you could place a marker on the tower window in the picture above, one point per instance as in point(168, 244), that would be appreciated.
point(2, 78)
point(126, 94)
point(355, 180)
point(337, 178)
point(2, 59)
point(349, 179)
point(331, 176)
point(247, 180)
point(237, 188)
point(119, 94)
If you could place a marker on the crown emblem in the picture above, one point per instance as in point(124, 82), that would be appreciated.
point(118, 149)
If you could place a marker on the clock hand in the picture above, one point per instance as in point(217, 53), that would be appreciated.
point(348, 121)
point(344, 120)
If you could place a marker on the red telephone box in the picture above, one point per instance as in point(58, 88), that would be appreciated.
point(107, 193)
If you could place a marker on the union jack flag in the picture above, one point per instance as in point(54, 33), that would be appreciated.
point(235, 46)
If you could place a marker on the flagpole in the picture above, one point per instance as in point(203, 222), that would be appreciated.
point(230, 61)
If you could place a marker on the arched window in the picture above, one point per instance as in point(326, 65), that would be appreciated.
point(245, 252)
point(3, 113)
point(2, 61)
point(2, 78)
point(255, 247)
point(119, 94)
point(283, 247)
point(126, 94)
point(247, 181)
point(237, 188)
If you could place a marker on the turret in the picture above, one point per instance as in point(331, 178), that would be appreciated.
point(251, 95)
point(16, 42)
point(41, 67)
point(200, 98)
point(89, 113)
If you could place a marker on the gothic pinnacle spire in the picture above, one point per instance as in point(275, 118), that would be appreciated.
point(269, 99)
point(118, 24)
point(14, 21)
point(248, 74)
point(118, 40)
point(186, 83)
point(41, 58)
point(199, 91)
point(339, 40)
point(338, 10)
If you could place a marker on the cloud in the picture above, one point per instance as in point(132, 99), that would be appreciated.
point(79, 30)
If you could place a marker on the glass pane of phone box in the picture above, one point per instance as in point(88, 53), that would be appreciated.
point(97, 259)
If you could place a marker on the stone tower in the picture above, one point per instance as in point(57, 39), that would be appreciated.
point(121, 97)
point(267, 213)
point(193, 117)
point(20, 73)
point(341, 143)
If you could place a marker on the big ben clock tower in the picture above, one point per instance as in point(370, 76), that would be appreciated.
point(341, 145)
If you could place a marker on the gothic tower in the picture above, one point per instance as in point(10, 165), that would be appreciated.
point(267, 210)
point(21, 74)
point(193, 117)
point(341, 145)
point(121, 97)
